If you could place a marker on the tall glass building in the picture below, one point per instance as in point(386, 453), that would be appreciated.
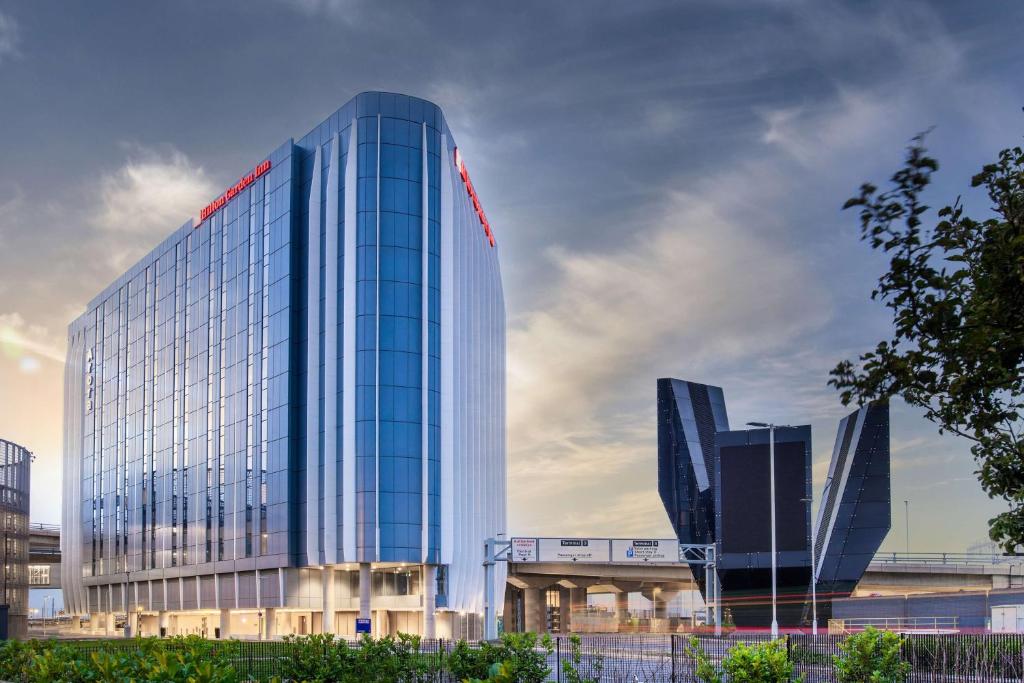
point(291, 413)
point(15, 480)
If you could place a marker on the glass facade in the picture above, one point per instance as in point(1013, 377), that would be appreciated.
point(270, 388)
point(15, 476)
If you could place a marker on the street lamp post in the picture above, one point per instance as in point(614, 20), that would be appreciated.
point(814, 559)
point(45, 598)
point(771, 476)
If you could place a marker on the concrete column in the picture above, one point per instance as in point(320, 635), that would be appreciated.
point(667, 597)
point(330, 603)
point(564, 611)
point(108, 624)
point(429, 601)
point(269, 623)
point(509, 612)
point(622, 607)
point(225, 624)
point(163, 622)
point(660, 606)
point(577, 603)
point(365, 588)
point(534, 609)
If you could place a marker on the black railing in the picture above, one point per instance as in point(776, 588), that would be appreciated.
point(640, 658)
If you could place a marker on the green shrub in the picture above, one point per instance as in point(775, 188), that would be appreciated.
point(761, 663)
point(390, 660)
point(704, 669)
point(523, 656)
point(178, 660)
point(16, 658)
point(472, 663)
point(320, 658)
point(871, 656)
point(316, 657)
point(499, 672)
point(573, 668)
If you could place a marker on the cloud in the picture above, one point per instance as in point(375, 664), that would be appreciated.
point(345, 11)
point(635, 513)
point(26, 342)
point(692, 291)
point(808, 136)
point(9, 37)
point(151, 194)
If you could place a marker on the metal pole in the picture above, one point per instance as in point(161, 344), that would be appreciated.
point(490, 624)
point(814, 571)
point(718, 597)
point(718, 602)
point(771, 458)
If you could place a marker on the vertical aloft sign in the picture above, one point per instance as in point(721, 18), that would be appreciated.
point(461, 166)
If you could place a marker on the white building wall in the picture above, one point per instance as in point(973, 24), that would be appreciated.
point(473, 394)
point(71, 512)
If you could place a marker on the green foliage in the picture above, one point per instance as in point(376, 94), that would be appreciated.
point(522, 656)
point(956, 293)
point(321, 658)
point(705, 670)
point(871, 656)
point(316, 658)
point(390, 660)
point(499, 672)
point(761, 663)
point(178, 660)
point(573, 668)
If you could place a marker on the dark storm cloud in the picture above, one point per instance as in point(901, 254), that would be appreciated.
point(663, 179)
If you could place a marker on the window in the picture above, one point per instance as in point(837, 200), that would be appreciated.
point(398, 581)
point(39, 575)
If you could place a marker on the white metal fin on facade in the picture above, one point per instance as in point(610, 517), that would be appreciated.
point(376, 367)
point(425, 358)
point(447, 355)
point(348, 376)
point(313, 367)
point(74, 411)
point(331, 222)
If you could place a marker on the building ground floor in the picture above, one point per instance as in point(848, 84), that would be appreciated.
point(274, 603)
point(566, 597)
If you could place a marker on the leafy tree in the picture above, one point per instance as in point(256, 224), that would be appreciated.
point(956, 292)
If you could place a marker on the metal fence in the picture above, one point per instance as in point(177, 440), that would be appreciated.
point(932, 657)
point(639, 658)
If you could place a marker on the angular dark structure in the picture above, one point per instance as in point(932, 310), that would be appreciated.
point(715, 486)
point(743, 523)
point(856, 507)
point(689, 414)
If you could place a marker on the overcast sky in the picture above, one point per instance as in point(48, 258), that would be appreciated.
point(664, 180)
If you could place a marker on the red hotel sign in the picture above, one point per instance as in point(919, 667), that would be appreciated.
point(472, 195)
point(232, 191)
